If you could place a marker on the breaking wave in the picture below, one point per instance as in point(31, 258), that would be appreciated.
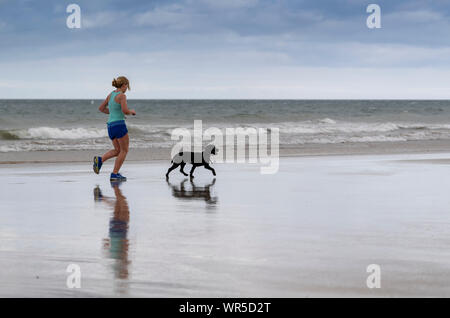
point(53, 133)
point(321, 131)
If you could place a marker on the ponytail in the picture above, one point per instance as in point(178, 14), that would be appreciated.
point(120, 81)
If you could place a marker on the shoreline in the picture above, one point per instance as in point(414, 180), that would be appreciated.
point(309, 150)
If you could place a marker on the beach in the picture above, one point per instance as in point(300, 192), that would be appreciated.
point(309, 230)
point(360, 183)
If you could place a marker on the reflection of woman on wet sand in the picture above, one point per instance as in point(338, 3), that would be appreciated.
point(117, 243)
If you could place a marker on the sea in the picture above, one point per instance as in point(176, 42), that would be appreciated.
point(49, 125)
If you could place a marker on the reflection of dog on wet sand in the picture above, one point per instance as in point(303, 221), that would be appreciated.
point(195, 158)
point(196, 192)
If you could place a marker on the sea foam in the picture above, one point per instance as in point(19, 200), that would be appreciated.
point(58, 133)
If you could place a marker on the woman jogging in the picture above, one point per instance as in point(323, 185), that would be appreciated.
point(116, 106)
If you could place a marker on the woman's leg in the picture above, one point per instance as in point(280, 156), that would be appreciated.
point(123, 144)
point(112, 153)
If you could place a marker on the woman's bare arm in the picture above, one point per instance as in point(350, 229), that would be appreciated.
point(103, 107)
point(123, 103)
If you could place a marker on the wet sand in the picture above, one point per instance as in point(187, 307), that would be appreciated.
point(305, 150)
point(309, 230)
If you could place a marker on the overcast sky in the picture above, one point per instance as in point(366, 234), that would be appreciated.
point(226, 49)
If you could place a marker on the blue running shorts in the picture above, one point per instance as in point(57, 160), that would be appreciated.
point(117, 129)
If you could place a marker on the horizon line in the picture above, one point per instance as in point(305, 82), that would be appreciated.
point(249, 99)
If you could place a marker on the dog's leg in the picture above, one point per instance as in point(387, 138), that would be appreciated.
point(207, 166)
point(174, 165)
point(192, 171)
point(182, 169)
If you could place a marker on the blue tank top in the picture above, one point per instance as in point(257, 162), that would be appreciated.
point(115, 109)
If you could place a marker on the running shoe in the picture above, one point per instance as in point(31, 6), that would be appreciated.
point(117, 177)
point(97, 164)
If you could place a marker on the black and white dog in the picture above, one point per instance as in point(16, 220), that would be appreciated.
point(195, 158)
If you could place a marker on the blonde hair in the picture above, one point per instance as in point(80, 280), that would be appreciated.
point(120, 81)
